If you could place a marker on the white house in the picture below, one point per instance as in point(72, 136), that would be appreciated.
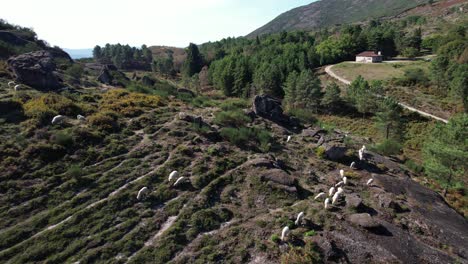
point(369, 57)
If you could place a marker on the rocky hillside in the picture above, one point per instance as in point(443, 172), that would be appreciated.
point(325, 13)
point(68, 191)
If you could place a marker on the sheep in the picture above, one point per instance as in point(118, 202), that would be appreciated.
point(320, 195)
point(173, 175)
point(370, 181)
point(327, 203)
point(142, 192)
point(342, 173)
point(340, 190)
point(335, 197)
point(331, 191)
point(80, 117)
point(361, 155)
point(288, 139)
point(345, 180)
point(363, 148)
point(284, 233)
point(57, 119)
point(299, 218)
point(353, 165)
point(341, 183)
point(179, 181)
point(11, 84)
point(17, 87)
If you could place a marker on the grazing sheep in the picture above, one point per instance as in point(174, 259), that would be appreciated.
point(370, 181)
point(299, 218)
point(335, 197)
point(173, 175)
point(341, 183)
point(142, 192)
point(353, 165)
point(57, 119)
point(81, 118)
point(284, 233)
point(289, 139)
point(340, 190)
point(327, 203)
point(363, 148)
point(361, 155)
point(345, 180)
point(331, 191)
point(11, 84)
point(179, 181)
point(342, 173)
point(17, 87)
point(320, 195)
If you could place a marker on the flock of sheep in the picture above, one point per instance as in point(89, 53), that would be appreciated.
point(13, 85)
point(334, 192)
point(173, 175)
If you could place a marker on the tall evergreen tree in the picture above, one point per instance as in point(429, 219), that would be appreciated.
point(446, 152)
point(290, 92)
point(194, 61)
point(331, 99)
point(388, 118)
point(309, 90)
point(97, 52)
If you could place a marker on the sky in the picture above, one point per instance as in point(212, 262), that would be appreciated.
point(86, 23)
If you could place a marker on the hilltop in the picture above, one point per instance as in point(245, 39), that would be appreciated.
point(326, 13)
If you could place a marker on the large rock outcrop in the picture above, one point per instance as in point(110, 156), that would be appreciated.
point(36, 69)
point(270, 108)
point(110, 75)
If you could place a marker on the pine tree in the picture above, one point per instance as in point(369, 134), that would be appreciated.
point(97, 52)
point(309, 90)
point(290, 92)
point(446, 152)
point(194, 61)
point(388, 118)
point(331, 99)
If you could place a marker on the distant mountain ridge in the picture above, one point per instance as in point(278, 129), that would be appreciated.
point(326, 13)
point(79, 53)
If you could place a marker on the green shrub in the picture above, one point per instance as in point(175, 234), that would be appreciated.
point(310, 233)
point(75, 171)
point(388, 147)
point(320, 152)
point(275, 238)
point(233, 118)
point(237, 136)
point(234, 104)
point(75, 71)
point(304, 115)
point(46, 106)
point(63, 138)
point(106, 121)
point(413, 166)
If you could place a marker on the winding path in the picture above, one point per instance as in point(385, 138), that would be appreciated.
point(328, 70)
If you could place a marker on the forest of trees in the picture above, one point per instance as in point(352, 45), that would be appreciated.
point(124, 56)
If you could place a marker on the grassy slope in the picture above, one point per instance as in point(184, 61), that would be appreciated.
point(377, 71)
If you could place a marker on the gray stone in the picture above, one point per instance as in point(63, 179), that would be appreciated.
point(364, 220)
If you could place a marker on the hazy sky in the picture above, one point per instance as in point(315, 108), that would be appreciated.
point(85, 23)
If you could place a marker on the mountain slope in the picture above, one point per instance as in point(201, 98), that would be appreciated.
point(330, 12)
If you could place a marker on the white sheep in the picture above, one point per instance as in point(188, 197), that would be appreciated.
point(353, 165)
point(370, 181)
point(363, 148)
point(331, 191)
point(81, 118)
point(335, 197)
point(320, 195)
point(340, 190)
point(11, 84)
point(17, 87)
point(342, 173)
point(142, 192)
point(345, 180)
point(327, 203)
point(173, 175)
point(299, 218)
point(361, 155)
point(341, 183)
point(57, 119)
point(179, 181)
point(288, 139)
point(284, 233)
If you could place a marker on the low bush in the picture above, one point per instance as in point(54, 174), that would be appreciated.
point(234, 104)
point(232, 118)
point(388, 147)
point(275, 238)
point(128, 103)
point(106, 122)
point(320, 152)
point(45, 107)
point(243, 137)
